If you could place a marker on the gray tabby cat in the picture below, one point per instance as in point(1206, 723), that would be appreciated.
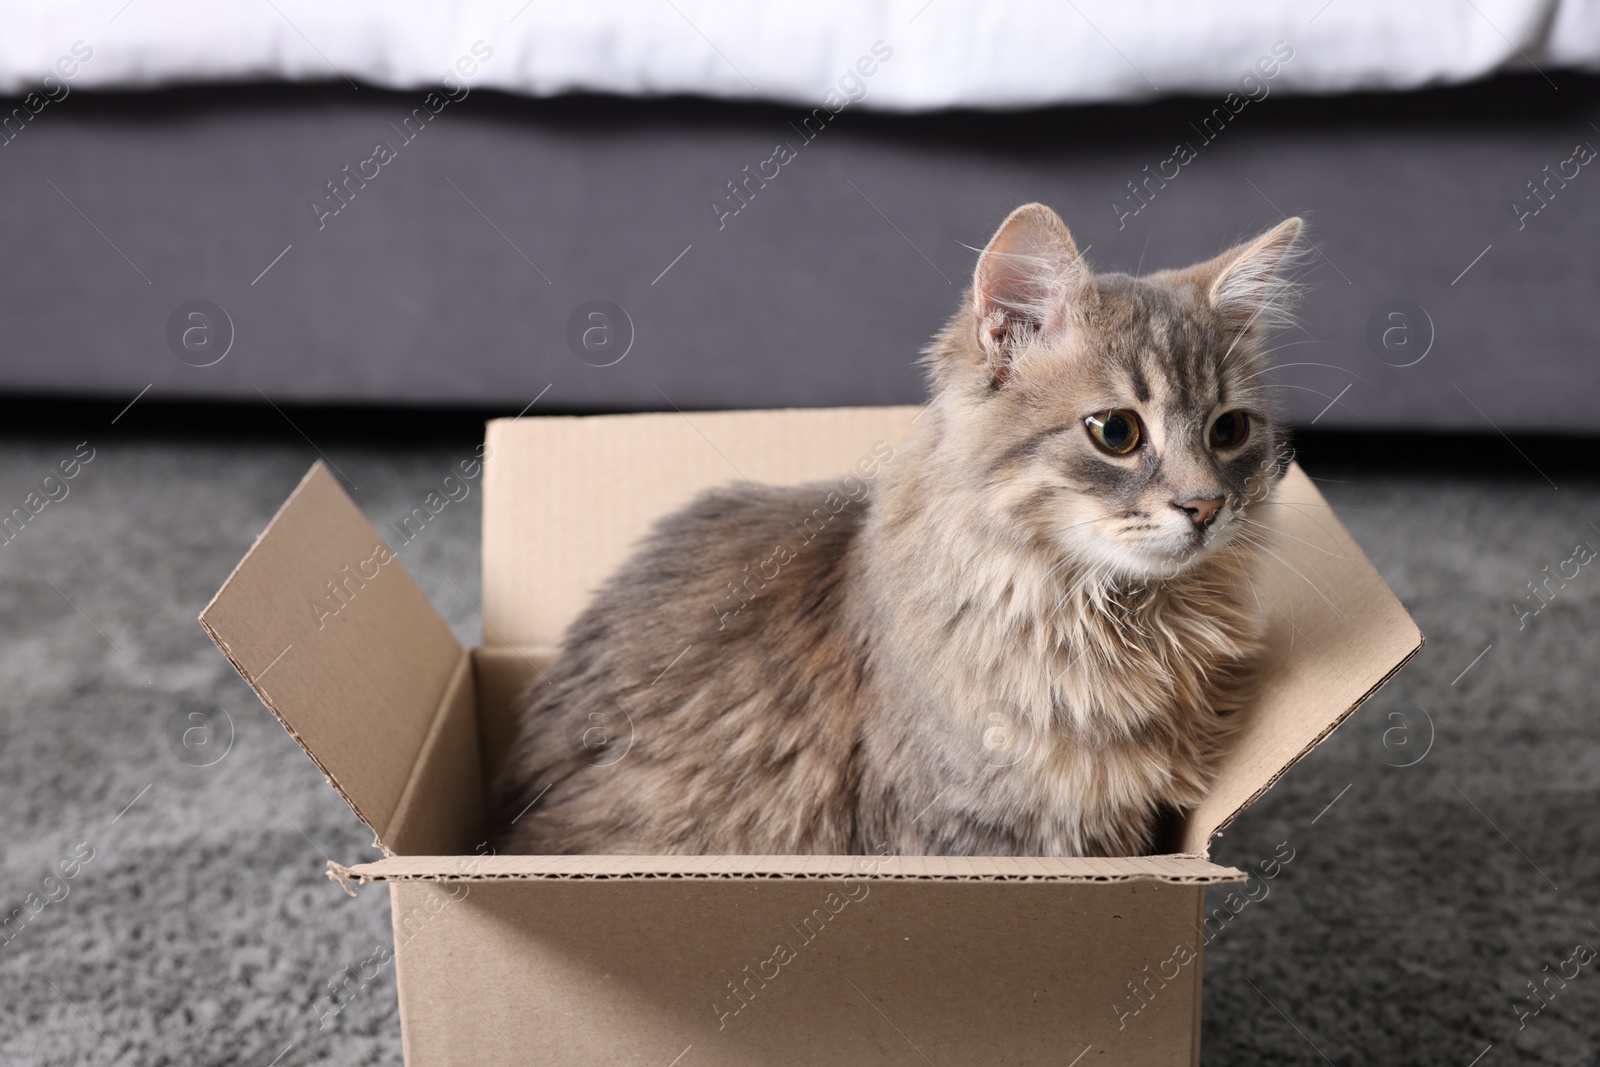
point(1027, 641)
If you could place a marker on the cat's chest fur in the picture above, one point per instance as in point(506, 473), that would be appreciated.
point(1071, 714)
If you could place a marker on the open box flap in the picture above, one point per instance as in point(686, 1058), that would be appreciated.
point(337, 640)
point(1182, 870)
point(1336, 634)
point(566, 498)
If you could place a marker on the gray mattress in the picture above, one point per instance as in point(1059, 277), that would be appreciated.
point(451, 277)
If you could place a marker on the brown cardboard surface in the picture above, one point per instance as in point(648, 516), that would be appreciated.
point(442, 809)
point(503, 673)
point(1178, 870)
point(1336, 634)
point(564, 499)
point(876, 972)
point(357, 687)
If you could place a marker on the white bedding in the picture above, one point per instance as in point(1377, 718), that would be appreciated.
point(973, 53)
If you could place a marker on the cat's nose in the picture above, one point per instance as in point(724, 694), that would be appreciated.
point(1201, 512)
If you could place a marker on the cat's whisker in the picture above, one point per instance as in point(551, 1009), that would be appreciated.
point(1314, 517)
point(1292, 537)
point(1074, 526)
point(1302, 388)
point(1294, 344)
point(1223, 362)
point(1090, 579)
point(1243, 573)
point(1330, 507)
point(1286, 366)
point(1245, 536)
point(1055, 569)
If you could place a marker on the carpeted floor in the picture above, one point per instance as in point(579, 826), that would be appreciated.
point(201, 928)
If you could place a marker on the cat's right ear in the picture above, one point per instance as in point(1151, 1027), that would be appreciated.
point(1027, 278)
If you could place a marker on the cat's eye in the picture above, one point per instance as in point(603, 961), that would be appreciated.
point(1114, 431)
point(1230, 429)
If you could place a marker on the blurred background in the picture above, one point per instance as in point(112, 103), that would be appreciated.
point(243, 237)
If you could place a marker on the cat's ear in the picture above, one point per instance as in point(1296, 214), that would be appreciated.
point(1026, 280)
point(1249, 283)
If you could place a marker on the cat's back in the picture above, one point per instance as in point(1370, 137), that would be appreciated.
point(707, 698)
point(731, 567)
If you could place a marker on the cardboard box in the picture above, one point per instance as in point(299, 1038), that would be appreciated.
point(691, 961)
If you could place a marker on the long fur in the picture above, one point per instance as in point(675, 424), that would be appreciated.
point(1004, 642)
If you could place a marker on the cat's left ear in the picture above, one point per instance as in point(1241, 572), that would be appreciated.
point(1025, 282)
point(1248, 283)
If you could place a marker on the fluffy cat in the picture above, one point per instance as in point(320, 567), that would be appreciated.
point(1026, 640)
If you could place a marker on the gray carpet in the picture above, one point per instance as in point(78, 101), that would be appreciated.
point(203, 930)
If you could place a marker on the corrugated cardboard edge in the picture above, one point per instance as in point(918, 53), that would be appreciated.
point(261, 694)
point(1321, 737)
point(1174, 870)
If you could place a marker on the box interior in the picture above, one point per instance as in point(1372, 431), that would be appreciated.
point(407, 726)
